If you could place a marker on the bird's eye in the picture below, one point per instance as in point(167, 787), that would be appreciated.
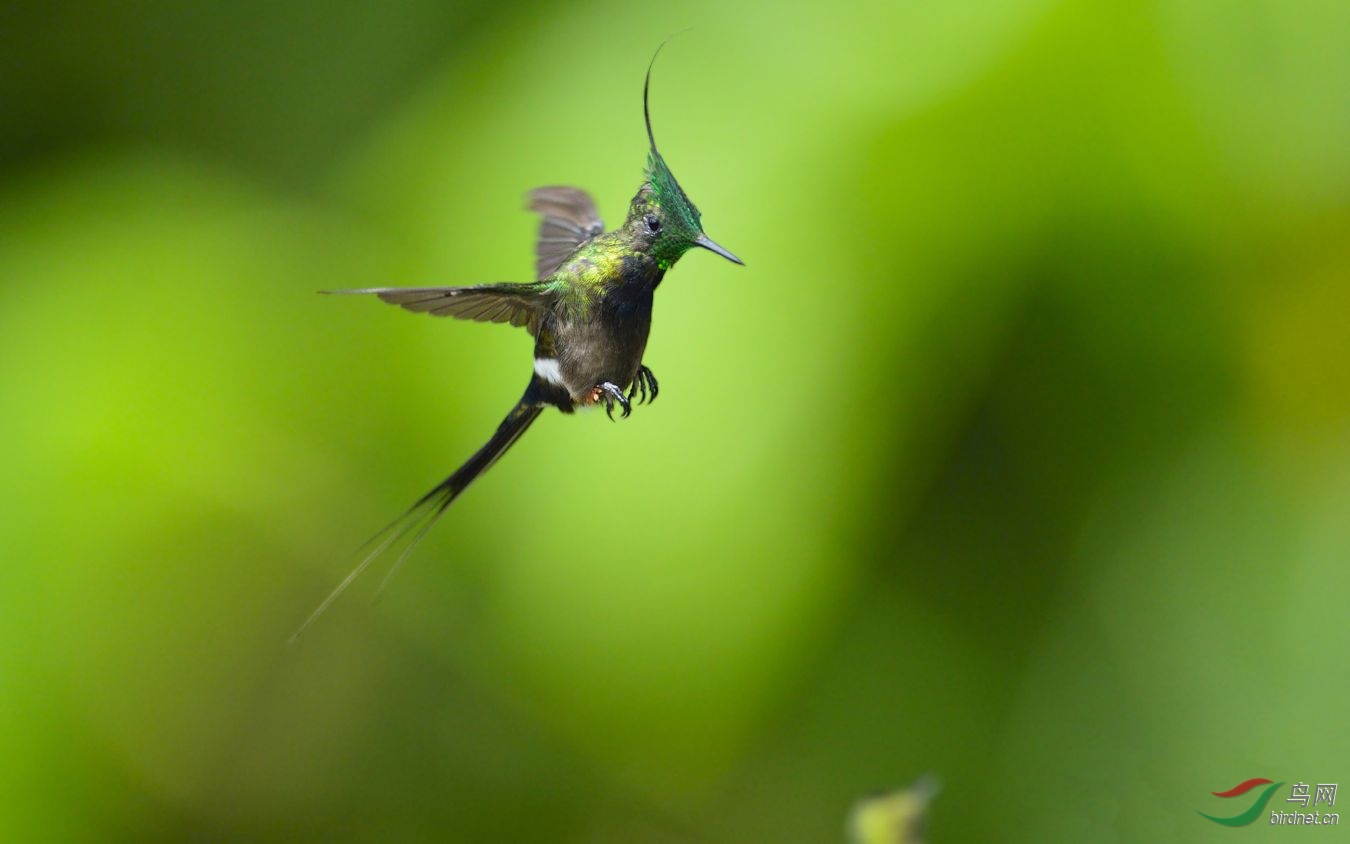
point(653, 224)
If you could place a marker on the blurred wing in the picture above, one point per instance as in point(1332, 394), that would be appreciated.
point(518, 304)
point(570, 219)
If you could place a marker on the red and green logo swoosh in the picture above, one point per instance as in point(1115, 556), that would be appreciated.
point(1255, 809)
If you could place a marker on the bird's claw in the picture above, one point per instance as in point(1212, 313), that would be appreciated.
point(611, 395)
point(644, 388)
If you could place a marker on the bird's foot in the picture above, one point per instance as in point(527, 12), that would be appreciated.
point(644, 387)
point(611, 395)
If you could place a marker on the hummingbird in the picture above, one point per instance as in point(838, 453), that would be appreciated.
point(589, 311)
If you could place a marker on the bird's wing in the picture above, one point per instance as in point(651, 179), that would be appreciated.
point(570, 219)
point(518, 304)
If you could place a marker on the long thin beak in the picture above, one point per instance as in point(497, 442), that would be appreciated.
point(708, 244)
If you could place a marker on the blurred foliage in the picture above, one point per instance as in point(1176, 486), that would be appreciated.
point(894, 817)
point(1018, 453)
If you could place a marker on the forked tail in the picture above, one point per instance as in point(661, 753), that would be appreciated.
point(429, 508)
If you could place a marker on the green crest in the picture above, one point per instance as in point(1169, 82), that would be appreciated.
point(675, 224)
point(670, 197)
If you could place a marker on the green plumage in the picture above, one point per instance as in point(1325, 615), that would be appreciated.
point(589, 311)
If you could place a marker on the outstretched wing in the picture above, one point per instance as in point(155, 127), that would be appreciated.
point(518, 304)
point(570, 219)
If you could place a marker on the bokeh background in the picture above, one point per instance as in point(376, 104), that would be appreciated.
point(1019, 453)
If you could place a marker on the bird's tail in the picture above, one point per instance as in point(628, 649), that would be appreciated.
point(419, 518)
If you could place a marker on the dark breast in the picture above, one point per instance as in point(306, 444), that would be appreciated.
point(608, 345)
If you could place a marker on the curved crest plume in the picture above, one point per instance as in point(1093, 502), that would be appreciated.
point(667, 189)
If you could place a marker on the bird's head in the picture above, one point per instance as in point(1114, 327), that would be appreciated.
point(661, 217)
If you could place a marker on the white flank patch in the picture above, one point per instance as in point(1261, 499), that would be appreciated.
point(547, 368)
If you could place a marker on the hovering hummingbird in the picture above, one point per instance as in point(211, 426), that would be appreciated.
point(589, 313)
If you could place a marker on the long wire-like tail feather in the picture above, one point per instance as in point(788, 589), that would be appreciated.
point(424, 514)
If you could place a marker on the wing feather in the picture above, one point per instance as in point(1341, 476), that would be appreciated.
point(570, 219)
point(518, 304)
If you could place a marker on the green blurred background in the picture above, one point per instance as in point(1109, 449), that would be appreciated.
point(1019, 453)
